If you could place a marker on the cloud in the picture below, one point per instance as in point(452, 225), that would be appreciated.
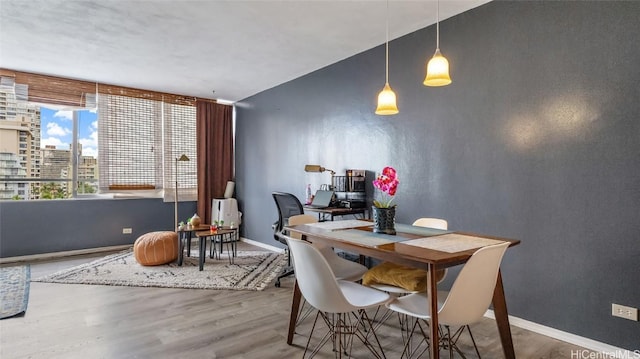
point(89, 151)
point(90, 144)
point(66, 115)
point(54, 129)
point(91, 141)
point(53, 141)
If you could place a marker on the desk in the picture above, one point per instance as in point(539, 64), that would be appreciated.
point(336, 211)
point(429, 259)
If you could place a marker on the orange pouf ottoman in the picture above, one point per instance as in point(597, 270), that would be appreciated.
point(156, 248)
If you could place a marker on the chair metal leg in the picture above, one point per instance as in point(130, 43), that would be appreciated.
point(304, 311)
point(450, 341)
point(342, 330)
point(473, 341)
point(411, 349)
point(364, 337)
point(287, 271)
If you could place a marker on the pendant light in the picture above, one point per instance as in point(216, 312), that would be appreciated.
point(438, 66)
point(386, 97)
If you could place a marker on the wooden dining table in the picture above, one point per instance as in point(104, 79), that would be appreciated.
point(418, 247)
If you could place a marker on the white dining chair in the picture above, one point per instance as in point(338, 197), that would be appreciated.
point(465, 304)
point(387, 269)
point(341, 304)
point(342, 268)
point(436, 223)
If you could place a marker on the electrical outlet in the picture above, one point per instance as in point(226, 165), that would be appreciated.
point(625, 312)
point(126, 230)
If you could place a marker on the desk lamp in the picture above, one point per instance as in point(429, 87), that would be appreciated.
point(318, 168)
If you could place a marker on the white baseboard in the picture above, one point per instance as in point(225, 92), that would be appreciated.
point(263, 245)
point(53, 255)
point(603, 349)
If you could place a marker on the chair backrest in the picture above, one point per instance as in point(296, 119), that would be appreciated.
point(326, 251)
point(472, 291)
point(315, 278)
point(300, 219)
point(436, 223)
point(288, 205)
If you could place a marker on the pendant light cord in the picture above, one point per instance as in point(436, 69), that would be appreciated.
point(438, 25)
point(387, 48)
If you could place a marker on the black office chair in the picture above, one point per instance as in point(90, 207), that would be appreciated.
point(288, 205)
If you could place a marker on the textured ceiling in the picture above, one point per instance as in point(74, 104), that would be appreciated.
point(237, 48)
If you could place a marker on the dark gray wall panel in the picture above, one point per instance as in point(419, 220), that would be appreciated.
point(536, 139)
point(36, 227)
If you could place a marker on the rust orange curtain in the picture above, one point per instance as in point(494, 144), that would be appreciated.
point(215, 153)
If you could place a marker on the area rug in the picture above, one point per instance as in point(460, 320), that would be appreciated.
point(252, 270)
point(14, 290)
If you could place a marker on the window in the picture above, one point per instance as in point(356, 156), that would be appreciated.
point(130, 141)
point(180, 138)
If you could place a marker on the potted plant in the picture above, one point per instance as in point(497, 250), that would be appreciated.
point(384, 214)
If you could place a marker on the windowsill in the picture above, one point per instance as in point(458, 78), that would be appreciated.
point(122, 195)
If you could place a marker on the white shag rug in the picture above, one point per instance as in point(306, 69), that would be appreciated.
point(252, 270)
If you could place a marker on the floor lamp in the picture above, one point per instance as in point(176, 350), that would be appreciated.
point(182, 158)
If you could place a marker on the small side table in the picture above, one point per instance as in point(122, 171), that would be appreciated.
point(228, 238)
point(219, 233)
point(185, 235)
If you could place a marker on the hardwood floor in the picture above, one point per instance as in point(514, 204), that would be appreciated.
point(91, 321)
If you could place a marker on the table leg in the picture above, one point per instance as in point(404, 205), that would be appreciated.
point(432, 293)
point(180, 248)
point(230, 251)
point(234, 247)
point(221, 242)
point(362, 260)
point(212, 249)
point(203, 251)
point(189, 244)
point(502, 319)
point(293, 317)
point(234, 244)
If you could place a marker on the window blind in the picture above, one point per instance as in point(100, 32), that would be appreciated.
point(139, 141)
point(75, 93)
point(180, 138)
point(129, 143)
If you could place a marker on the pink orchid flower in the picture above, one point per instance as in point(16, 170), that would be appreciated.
point(387, 183)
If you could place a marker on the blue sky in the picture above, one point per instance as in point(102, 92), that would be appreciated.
point(57, 129)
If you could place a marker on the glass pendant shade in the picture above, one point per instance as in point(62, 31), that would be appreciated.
point(437, 71)
point(387, 101)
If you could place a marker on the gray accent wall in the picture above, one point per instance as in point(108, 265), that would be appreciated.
point(538, 138)
point(48, 226)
